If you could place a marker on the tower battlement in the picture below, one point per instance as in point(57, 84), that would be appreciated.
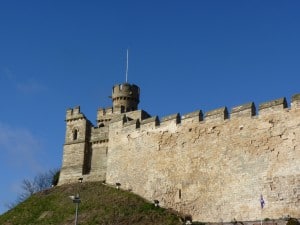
point(74, 113)
point(104, 116)
point(213, 165)
point(125, 97)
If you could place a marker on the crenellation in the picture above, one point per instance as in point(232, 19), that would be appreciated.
point(138, 114)
point(245, 110)
point(213, 167)
point(69, 112)
point(108, 111)
point(191, 117)
point(104, 111)
point(295, 104)
point(273, 106)
point(126, 97)
point(174, 117)
point(219, 114)
point(154, 120)
point(76, 110)
point(104, 116)
point(74, 114)
point(133, 123)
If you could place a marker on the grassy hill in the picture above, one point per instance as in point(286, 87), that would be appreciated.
point(100, 204)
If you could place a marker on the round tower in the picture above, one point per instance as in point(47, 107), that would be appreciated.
point(125, 97)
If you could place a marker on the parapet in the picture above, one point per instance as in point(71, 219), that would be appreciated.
point(246, 110)
point(175, 117)
point(104, 116)
point(132, 123)
point(74, 114)
point(126, 97)
point(104, 112)
point(141, 119)
point(295, 101)
point(217, 114)
point(195, 116)
point(273, 106)
point(126, 89)
point(150, 123)
point(153, 119)
point(138, 114)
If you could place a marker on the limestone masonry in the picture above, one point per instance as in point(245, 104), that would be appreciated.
point(213, 167)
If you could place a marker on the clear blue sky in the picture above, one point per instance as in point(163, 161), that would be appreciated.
point(184, 55)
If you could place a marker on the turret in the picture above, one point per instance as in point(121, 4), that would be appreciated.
point(76, 154)
point(125, 97)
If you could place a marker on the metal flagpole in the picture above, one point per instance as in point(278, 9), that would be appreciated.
point(127, 65)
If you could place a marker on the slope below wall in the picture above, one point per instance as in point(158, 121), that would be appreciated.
point(215, 171)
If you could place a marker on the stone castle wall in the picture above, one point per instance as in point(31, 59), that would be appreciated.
point(76, 155)
point(214, 168)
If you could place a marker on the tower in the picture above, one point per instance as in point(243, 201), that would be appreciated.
point(76, 154)
point(86, 146)
point(125, 97)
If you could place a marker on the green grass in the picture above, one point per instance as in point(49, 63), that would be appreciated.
point(100, 204)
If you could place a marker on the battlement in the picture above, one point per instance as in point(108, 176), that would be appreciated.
point(126, 89)
point(104, 112)
point(247, 110)
point(151, 122)
point(104, 116)
point(212, 165)
point(273, 106)
point(173, 118)
point(126, 97)
point(220, 114)
point(74, 114)
point(217, 114)
point(295, 101)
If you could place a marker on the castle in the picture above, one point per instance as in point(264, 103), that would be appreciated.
point(214, 167)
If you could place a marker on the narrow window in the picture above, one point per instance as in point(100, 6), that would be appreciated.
point(75, 134)
point(122, 109)
point(179, 193)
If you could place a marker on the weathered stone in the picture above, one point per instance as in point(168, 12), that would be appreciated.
point(243, 110)
point(215, 170)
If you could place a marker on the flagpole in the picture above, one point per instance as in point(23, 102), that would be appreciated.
point(126, 65)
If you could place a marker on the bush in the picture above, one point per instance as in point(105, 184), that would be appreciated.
point(293, 221)
point(55, 178)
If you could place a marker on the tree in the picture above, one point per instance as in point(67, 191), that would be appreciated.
point(55, 178)
point(40, 182)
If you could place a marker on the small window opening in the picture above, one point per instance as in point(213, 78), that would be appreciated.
point(179, 193)
point(122, 109)
point(75, 135)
